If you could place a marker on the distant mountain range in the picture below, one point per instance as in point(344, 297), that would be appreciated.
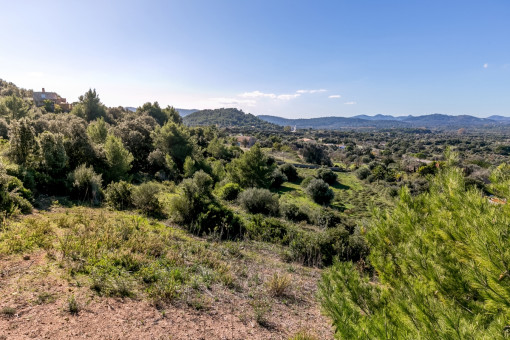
point(434, 121)
point(182, 112)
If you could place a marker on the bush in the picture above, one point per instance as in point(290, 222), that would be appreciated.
point(363, 173)
point(86, 184)
point(292, 212)
point(230, 191)
point(306, 181)
point(327, 218)
point(277, 178)
point(268, 229)
point(290, 171)
point(145, 198)
point(327, 175)
point(320, 191)
point(259, 201)
point(118, 195)
point(219, 221)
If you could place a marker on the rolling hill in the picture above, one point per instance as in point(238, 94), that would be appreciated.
point(229, 117)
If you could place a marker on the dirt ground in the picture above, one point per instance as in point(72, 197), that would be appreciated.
point(34, 303)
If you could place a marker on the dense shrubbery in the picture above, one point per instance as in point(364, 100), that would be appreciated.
point(320, 191)
point(290, 171)
point(145, 198)
point(118, 195)
point(259, 201)
point(327, 175)
point(230, 191)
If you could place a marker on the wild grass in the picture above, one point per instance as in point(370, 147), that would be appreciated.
point(121, 254)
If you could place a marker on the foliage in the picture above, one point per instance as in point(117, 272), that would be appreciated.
point(145, 198)
point(86, 184)
point(90, 107)
point(327, 175)
point(15, 108)
point(290, 171)
point(118, 195)
point(13, 196)
point(117, 157)
point(23, 143)
point(230, 191)
point(252, 169)
point(53, 152)
point(259, 201)
point(174, 140)
point(320, 191)
point(292, 212)
point(316, 154)
point(277, 178)
point(98, 131)
point(439, 269)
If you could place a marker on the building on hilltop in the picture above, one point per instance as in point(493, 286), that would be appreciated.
point(40, 97)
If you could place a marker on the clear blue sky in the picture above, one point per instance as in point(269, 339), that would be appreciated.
point(286, 58)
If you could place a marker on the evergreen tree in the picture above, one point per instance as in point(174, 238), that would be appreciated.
point(118, 158)
point(90, 106)
point(439, 269)
point(252, 169)
point(24, 147)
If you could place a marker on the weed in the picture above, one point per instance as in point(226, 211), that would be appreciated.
point(72, 305)
point(261, 309)
point(44, 298)
point(8, 311)
point(278, 285)
point(303, 335)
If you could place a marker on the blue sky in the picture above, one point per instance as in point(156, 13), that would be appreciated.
point(285, 58)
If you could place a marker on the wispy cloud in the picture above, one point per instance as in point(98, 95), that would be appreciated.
point(311, 91)
point(350, 103)
point(257, 94)
point(485, 65)
point(234, 101)
point(335, 96)
point(288, 96)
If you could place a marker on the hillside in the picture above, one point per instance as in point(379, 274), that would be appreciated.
point(436, 121)
point(227, 118)
point(334, 122)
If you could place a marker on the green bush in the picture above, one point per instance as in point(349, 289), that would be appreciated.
point(293, 212)
point(145, 198)
point(326, 218)
point(118, 195)
point(230, 191)
point(277, 178)
point(86, 184)
point(363, 173)
point(290, 171)
point(259, 201)
point(320, 191)
point(327, 175)
point(306, 181)
point(218, 220)
point(267, 229)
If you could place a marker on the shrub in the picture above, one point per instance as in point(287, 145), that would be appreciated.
point(292, 212)
point(306, 181)
point(145, 198)
point(72, 305)
point(320, 191)
point(86, 184)
point(290, 171)
point(230, 191)
point(118, 195)
point(259, 201)
point(327, 175)
point(278, 285)
point(277, 178)
point(219, 221)
point(268, 229)
point(327, 218)
point(363, 173)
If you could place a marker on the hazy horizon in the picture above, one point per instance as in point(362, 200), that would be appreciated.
point(287, 59)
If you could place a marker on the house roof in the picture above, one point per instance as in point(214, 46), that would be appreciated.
point(40, 96)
